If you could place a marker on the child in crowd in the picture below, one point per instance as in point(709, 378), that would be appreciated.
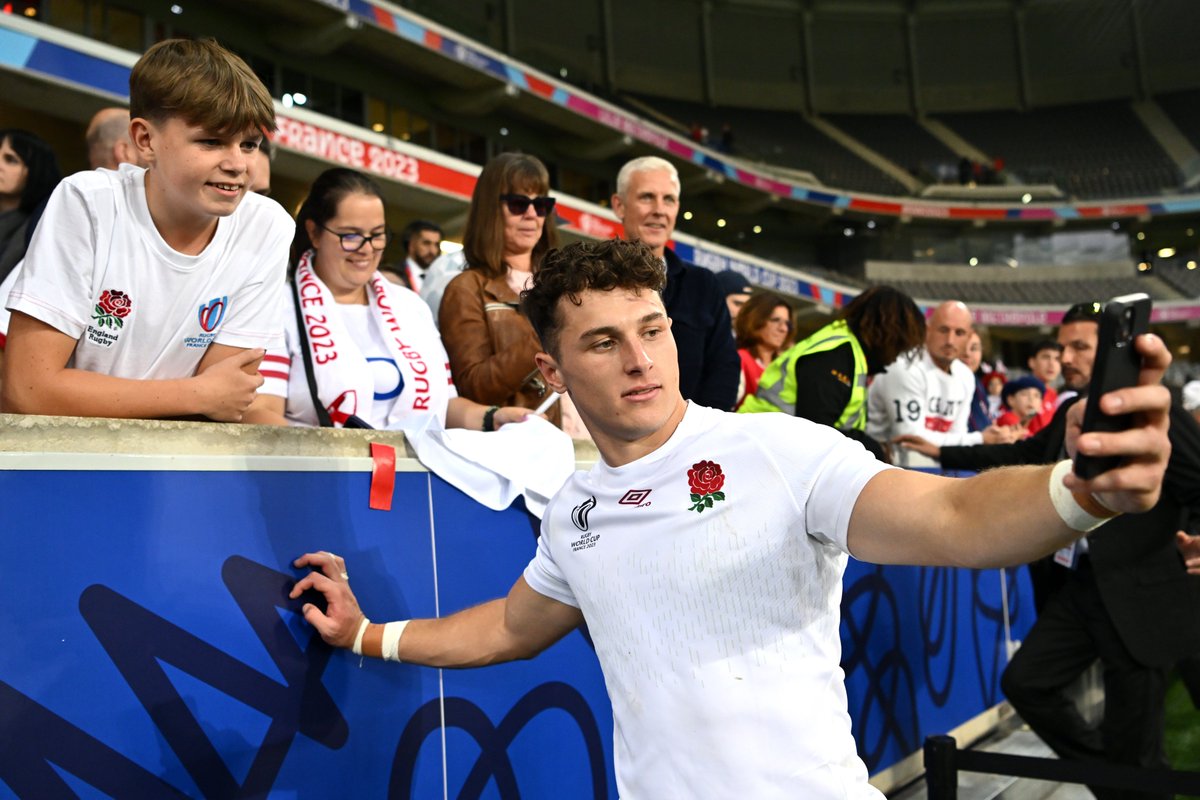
point(154, 292)
point(1023, 397)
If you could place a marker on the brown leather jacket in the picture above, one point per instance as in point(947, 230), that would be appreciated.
point(491, 344)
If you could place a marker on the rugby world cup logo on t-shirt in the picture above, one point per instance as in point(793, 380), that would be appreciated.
point(212, 312)
point(209, 315)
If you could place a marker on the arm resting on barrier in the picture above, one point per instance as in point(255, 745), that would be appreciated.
point(518, 626)
point(38, 381)
point(1006, 516)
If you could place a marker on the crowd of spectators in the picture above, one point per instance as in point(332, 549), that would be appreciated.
point(164, 284)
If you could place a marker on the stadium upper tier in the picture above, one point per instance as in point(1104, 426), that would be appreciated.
point(1098, 150)
point(1093, 151)
point(464, 80)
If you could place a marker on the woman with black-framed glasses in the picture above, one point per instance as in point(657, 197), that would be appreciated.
point(359, 350)
point(510, 227)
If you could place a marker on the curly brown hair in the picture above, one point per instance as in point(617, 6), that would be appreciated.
point(755, 313)
point(584, 266)
point(887, 323)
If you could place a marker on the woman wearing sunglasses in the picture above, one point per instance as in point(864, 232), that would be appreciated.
point(365, 348)
point(510, 227)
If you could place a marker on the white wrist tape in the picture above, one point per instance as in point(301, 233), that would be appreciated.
point(1067, 506)
point(391, 640)
point(357, 647)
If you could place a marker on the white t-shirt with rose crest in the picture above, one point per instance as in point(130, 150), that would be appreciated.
point(709, 573)
point(98, 270)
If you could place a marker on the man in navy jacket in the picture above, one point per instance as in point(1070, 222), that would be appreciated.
point(647, 202)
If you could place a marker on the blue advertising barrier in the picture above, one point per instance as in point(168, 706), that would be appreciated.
point(150, 649)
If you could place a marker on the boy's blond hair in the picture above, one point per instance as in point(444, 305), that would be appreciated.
point(203, 84)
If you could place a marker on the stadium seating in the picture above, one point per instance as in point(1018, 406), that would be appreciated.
point(782, 139)
point(899, 138)
point(1099, 150)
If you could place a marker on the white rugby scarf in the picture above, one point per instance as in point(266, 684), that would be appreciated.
point(345, 382)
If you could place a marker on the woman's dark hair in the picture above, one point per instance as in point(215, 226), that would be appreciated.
point(41, 162)
point(321, 205)
point(887, 323)
point(483, 238)
point(755, 313)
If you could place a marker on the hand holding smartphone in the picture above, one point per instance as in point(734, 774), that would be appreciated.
point(1116, 366)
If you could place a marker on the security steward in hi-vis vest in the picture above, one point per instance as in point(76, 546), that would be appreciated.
point(778, 386)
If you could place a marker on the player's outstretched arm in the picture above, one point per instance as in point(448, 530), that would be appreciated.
point(515, 627)
point(1007, 516)
point(38, 381)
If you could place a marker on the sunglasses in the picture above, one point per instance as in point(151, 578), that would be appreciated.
point(518, 204)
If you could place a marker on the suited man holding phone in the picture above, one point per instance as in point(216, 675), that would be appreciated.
point(1122, 595)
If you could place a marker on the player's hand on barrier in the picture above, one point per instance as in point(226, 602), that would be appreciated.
point(910, 441)
point(1135, 485)
point(229, 386)
point(1189, 546)
point(338, 624)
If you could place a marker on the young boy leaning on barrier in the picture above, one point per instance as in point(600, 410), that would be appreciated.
point(154, 292)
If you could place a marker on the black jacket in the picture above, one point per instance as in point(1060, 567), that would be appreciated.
point(709, 367)
point(1153, 602)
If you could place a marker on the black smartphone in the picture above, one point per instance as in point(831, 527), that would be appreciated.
point(1117, 365)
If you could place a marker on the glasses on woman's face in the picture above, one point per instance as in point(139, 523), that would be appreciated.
point(353, 242)
point(784, 321)
point(518, 204)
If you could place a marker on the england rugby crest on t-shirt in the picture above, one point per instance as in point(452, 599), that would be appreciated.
point(108, 317)
point(209, 315)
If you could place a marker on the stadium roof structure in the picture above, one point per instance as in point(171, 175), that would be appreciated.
point(466, 75)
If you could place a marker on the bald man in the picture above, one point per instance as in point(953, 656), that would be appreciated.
point(108, 140)
point(928, 393)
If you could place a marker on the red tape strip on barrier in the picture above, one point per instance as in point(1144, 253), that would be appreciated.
point(383, 476)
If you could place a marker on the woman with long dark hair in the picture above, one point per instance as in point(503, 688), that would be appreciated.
point(359, 348)
point(28, 174)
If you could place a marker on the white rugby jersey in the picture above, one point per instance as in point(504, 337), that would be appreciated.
point(920, 398)
point(709, 573)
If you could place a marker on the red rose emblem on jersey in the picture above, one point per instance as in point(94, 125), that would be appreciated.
point(706, 480)
point(112, 308)
point(116, 303)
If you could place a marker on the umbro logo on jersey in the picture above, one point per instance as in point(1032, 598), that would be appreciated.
point(579, 514)
point(636, 497)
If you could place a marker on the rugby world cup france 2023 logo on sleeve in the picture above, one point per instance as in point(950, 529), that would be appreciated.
point(210, 315)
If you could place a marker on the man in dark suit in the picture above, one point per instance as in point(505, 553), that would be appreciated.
point(1122, 595)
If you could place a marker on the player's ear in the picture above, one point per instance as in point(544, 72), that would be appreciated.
point(551, 374)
